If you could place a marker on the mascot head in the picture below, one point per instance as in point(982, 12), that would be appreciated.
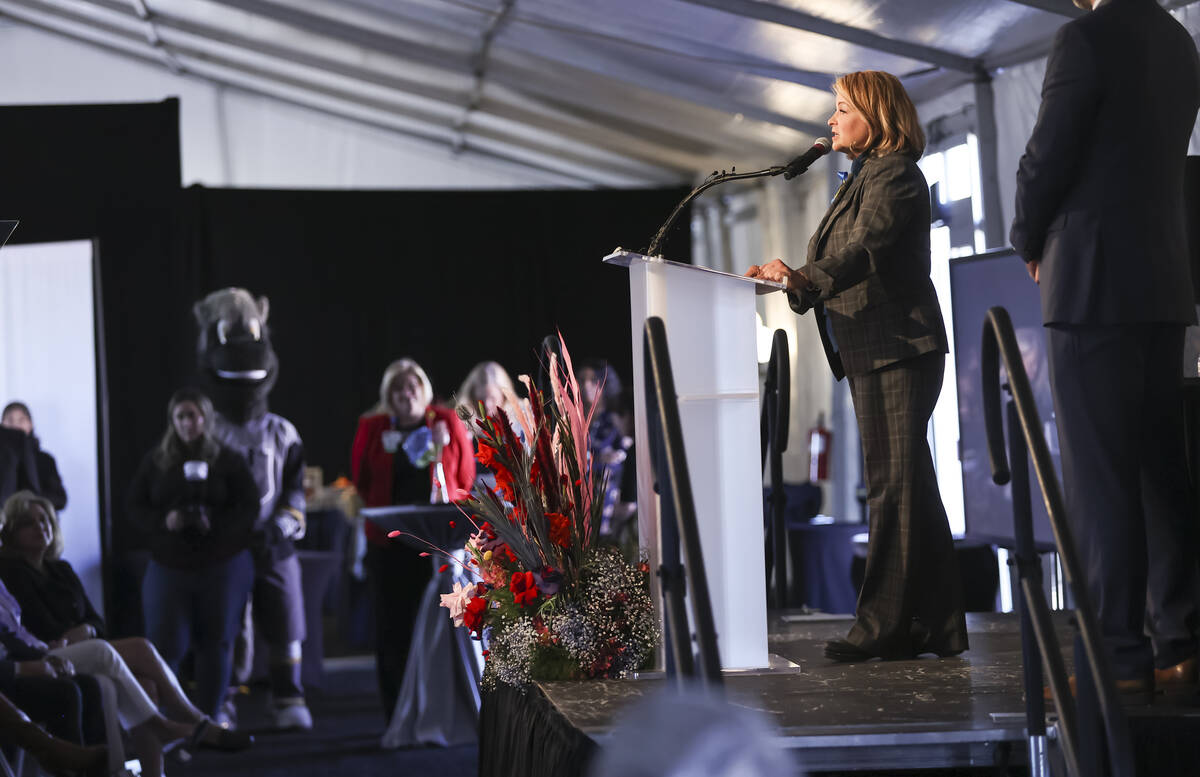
point(237, 363)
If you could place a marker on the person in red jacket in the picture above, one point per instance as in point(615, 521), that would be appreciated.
point(406, 451)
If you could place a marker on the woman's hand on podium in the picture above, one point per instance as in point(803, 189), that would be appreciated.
point(777, 271)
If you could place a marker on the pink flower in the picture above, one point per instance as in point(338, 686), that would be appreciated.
point(457, 601)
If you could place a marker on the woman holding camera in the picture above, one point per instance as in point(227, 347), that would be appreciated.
point(195, 501)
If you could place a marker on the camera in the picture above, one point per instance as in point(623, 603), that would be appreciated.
point(194, 511)
point(195, 517)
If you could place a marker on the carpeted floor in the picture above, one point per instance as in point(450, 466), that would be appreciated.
point(344, 740)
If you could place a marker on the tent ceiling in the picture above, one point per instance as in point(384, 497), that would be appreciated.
point(652, 90)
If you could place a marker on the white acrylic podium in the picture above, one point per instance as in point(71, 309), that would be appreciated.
point(711, 334)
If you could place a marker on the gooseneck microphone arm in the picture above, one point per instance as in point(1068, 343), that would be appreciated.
point(790, 170)
point(711, 181)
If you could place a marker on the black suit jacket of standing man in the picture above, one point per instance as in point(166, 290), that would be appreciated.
point(1100, 187)
point(1099, 215)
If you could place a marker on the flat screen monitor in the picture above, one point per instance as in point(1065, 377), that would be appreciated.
point(978, 283)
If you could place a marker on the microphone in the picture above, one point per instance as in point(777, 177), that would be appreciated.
point(798, 165)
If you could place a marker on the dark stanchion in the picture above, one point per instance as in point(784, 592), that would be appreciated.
point(1000, 344)
point(773, 428)
point(1037, 633)
point(677, 519)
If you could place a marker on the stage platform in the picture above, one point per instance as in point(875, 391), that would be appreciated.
point(928, 713)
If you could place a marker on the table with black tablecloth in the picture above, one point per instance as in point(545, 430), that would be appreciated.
point(439, 696)
point(521, 734)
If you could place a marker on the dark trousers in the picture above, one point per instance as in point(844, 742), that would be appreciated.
point(911, 572)
point(199, 609)
point(70, 708)
point(279, 619)
point(1129, 503)
point(398, 577)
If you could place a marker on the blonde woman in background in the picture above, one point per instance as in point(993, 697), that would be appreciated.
point(489, 383)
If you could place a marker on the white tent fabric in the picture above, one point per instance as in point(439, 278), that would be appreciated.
point(234, 138)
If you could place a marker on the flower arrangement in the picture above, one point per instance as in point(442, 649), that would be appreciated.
point(553, 603)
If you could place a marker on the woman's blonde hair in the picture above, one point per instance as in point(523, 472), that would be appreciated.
point(891, 117)
point(396, 370)
point(482, 375)
point(18, 506)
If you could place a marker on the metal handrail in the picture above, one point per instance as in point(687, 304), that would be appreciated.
point(1000, 343)
point(773, 428)
point(677, 519)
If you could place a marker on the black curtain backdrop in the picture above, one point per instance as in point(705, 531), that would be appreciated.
point(358, 279)
point(355, 279)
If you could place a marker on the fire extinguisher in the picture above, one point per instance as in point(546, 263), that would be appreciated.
point(819, 441)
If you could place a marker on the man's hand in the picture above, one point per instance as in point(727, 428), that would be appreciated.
point(174, 520)
point(41, 668)
point(1032, 268)
point(289, 525)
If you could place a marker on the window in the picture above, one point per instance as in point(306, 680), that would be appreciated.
point(951, 168)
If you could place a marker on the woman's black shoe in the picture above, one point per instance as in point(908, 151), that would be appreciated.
point(923, 643)
point(843, 652)
point(212, 737)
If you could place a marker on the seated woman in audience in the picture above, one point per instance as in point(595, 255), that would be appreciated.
point(56, 608)
point(148, 730)
point(395, 458)
point(54, 754)
point(487, 383)
point(16, 415)
point(196, 501)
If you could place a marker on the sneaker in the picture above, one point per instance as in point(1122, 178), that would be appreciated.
point(293, 716)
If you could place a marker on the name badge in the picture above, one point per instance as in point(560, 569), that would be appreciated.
point(391, 440)
point(195, 470)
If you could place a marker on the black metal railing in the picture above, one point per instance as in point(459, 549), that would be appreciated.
point(773, 431)
point(678, 527)
point(1037, 629)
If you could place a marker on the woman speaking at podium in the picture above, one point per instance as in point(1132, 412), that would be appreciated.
point(866, 278)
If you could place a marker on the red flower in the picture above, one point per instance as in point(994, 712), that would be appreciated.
point(560, 529)
point(486, 455)
point(474, 613)
point(504, 483)
point(523, 588)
